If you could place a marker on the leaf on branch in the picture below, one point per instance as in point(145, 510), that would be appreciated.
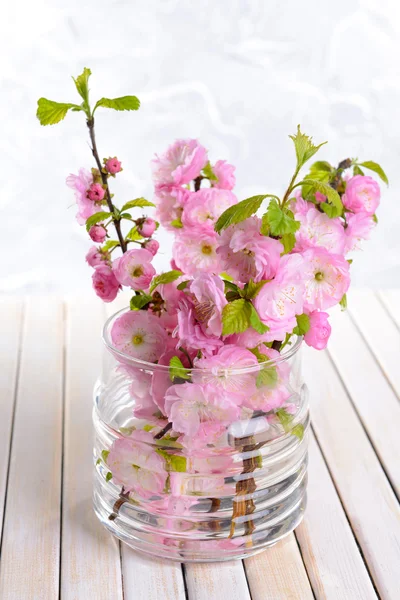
point(81, 83)
point(267, 377)
point(138, 202)
point(251, 289)
point(286, 420)
point(256, 322)
point(50, 112)
point(239, 212)
point(138, 302)
point(167, 277)
point(133, 235)
point(209, 173)
point(373, 166)
point(174, 462)
point(321, 165)
point(122, 103)
point(281, 221)
point(289, 241)
point(331, 194)
point(97, 218)
point(177, 223)
point(177, 370)
point(357, 170)
point(304, 147)
point(236, 316)
point(109, 245)
point(343, 302)
point(303, 324)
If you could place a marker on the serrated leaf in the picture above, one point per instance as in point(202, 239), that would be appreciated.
point(138, 202)
point(289, 241)
point(304, 146)
point(321, 165)
point(138, 302)
point(267, 377)
point(357, 170)
point(81, 83)
point(109, 244)
point(256, 322)
point(122, 103)
point(239, 212)
point(96, 218)
point(303, 324)
point(343, 302)
point(209, 173)
point(373, 166)
point(50, 112)
point(331, 195)
point(264, 229)
point(251, 288)
point(280, 220)
point(177, 370)
point(236, 317)
point(174, 462)
point(167, 277)
point(133, 235)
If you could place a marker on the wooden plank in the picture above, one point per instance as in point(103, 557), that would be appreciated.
point(278, 573)
point(373, 397)
point(10, 326)
point(218, 581)
point(31, 541)
point(330, 553)
point(391, 300)
point(90, 565)
point(379, 331)
point(151, 578)
point(367, 497)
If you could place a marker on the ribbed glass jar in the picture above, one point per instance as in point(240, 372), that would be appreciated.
point(228, 497)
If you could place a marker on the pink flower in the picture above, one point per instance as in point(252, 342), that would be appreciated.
point(205, 206)
point(317, 229)
point(104, 283)
point(170, 203)
point(232, 370)
point(98, 233)
point(327, 278)
point(359, 227)
point(167, 304)
point(134, 269)
point(320, 330)
point(268, 398)
point(246, 254)
point(81, 183)
point(298, 205)
point(140, 390)
point(199, 411)
point(182, 162)
point(225, 175)
point(192, 333)
point(139, 334)
point(209, 300)
point(147, 227)
point(134, 464)
point(94, 257)
point(152, 246)
point(362, 195)
point(280, 300)
point(96, 192)
point(113, 165)
point(320, 197)
point(195, 250)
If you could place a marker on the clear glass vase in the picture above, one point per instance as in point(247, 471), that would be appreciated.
point(229, 496)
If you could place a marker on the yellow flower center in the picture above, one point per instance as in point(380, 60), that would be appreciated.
point(206, 249)
point(137, 272)
point(319, 276)
point(137, 340)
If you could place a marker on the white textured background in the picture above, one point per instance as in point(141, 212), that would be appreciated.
point(237, 74)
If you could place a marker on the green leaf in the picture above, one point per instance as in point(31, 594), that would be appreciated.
point(50, 112)
point(256, 322)
point(264, 229)
point(177, 223)
point(230, 286)
point(97, 218)
point(183, 285)
point(373, 166)
point(122, 103)
point(331, 195)
point(104, 454)
point(109, 244)
point(343, 302)
point(304, 147)
point(298, 431)
point(167, 277)
point(174, 462)
point(177, 370)
point(236, 317)
point(267, 377)
point(321, 165)
point(148, 427)
point(138, 302)
point(303, 324)
point(281, 221)
point(259, 356)
point(240, 211)
point(251, 289)
point(108, 476)
point(81, 83)
point(140, 202)
point(209, 173)
point(375, 219)
point(357, 170)
point(289, 241)
point(286, 420)
point(133, 235)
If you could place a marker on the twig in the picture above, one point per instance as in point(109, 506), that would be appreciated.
point(123, 497)
point(163, 431)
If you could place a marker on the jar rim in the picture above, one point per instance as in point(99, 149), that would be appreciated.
point(135, 362)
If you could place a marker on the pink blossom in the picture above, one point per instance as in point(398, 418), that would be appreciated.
point(135, 465)
point(81, 183)
point(317, 229)
point(232, 370)
point(139, 334)
point(298, 205)
point(268, 398)
point(199, 411)
point(280, 300)
point(182, 162)
point(134, 269)
point(94, 257)
point(113, 165)
point(96, 192)
point(205, 206)
point(225, 175)
point(140, 390)
point(147, 227)
point(359, 227)
point(170, 203)
point(209, 300)
point(248, 339)
point(320, 330)
point(192, 333)
point(105, 284)
point(195, 250)
point(246, 254)
point(98, 233)
point(327, 278)
point(152, 246)
point(362, 195)
point(320, 197)
point(168, 303)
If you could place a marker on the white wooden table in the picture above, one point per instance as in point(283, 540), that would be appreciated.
point(348, 546)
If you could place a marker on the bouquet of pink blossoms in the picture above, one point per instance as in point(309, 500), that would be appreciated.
point(247, 280)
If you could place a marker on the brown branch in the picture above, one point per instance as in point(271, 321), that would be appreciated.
point(123, 497)
point(163, 431)
point(197, 183)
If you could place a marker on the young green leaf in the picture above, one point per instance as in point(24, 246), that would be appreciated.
point(104, 454)
point(138, 202)
point(256, 322)
point(108, 476)
point(264, 229)
point(82, 85)
point(267, 377)
point(251, 289)
point(236, 316)
point(289, 241)
point(133, 235)
point(298, 431)
point(109, 245)
point(177, 223)
point(97, 218)
point(174, 462)
point(122, 103)
point(357, 170)
point(373, 166)
point(343, 302)
point(280, 220)
point(239, 212)
point(321, 165)
point(328, 191)
point(209, 173)
point(167, 277)
point(259, 356)
point(286, 420)
point(50, 112)
point(183, 285)
point(304, 147)
point(303, 324)
point(140, 301)
point(177, 370)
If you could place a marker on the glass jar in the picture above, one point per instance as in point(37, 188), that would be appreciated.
point(228, 494)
